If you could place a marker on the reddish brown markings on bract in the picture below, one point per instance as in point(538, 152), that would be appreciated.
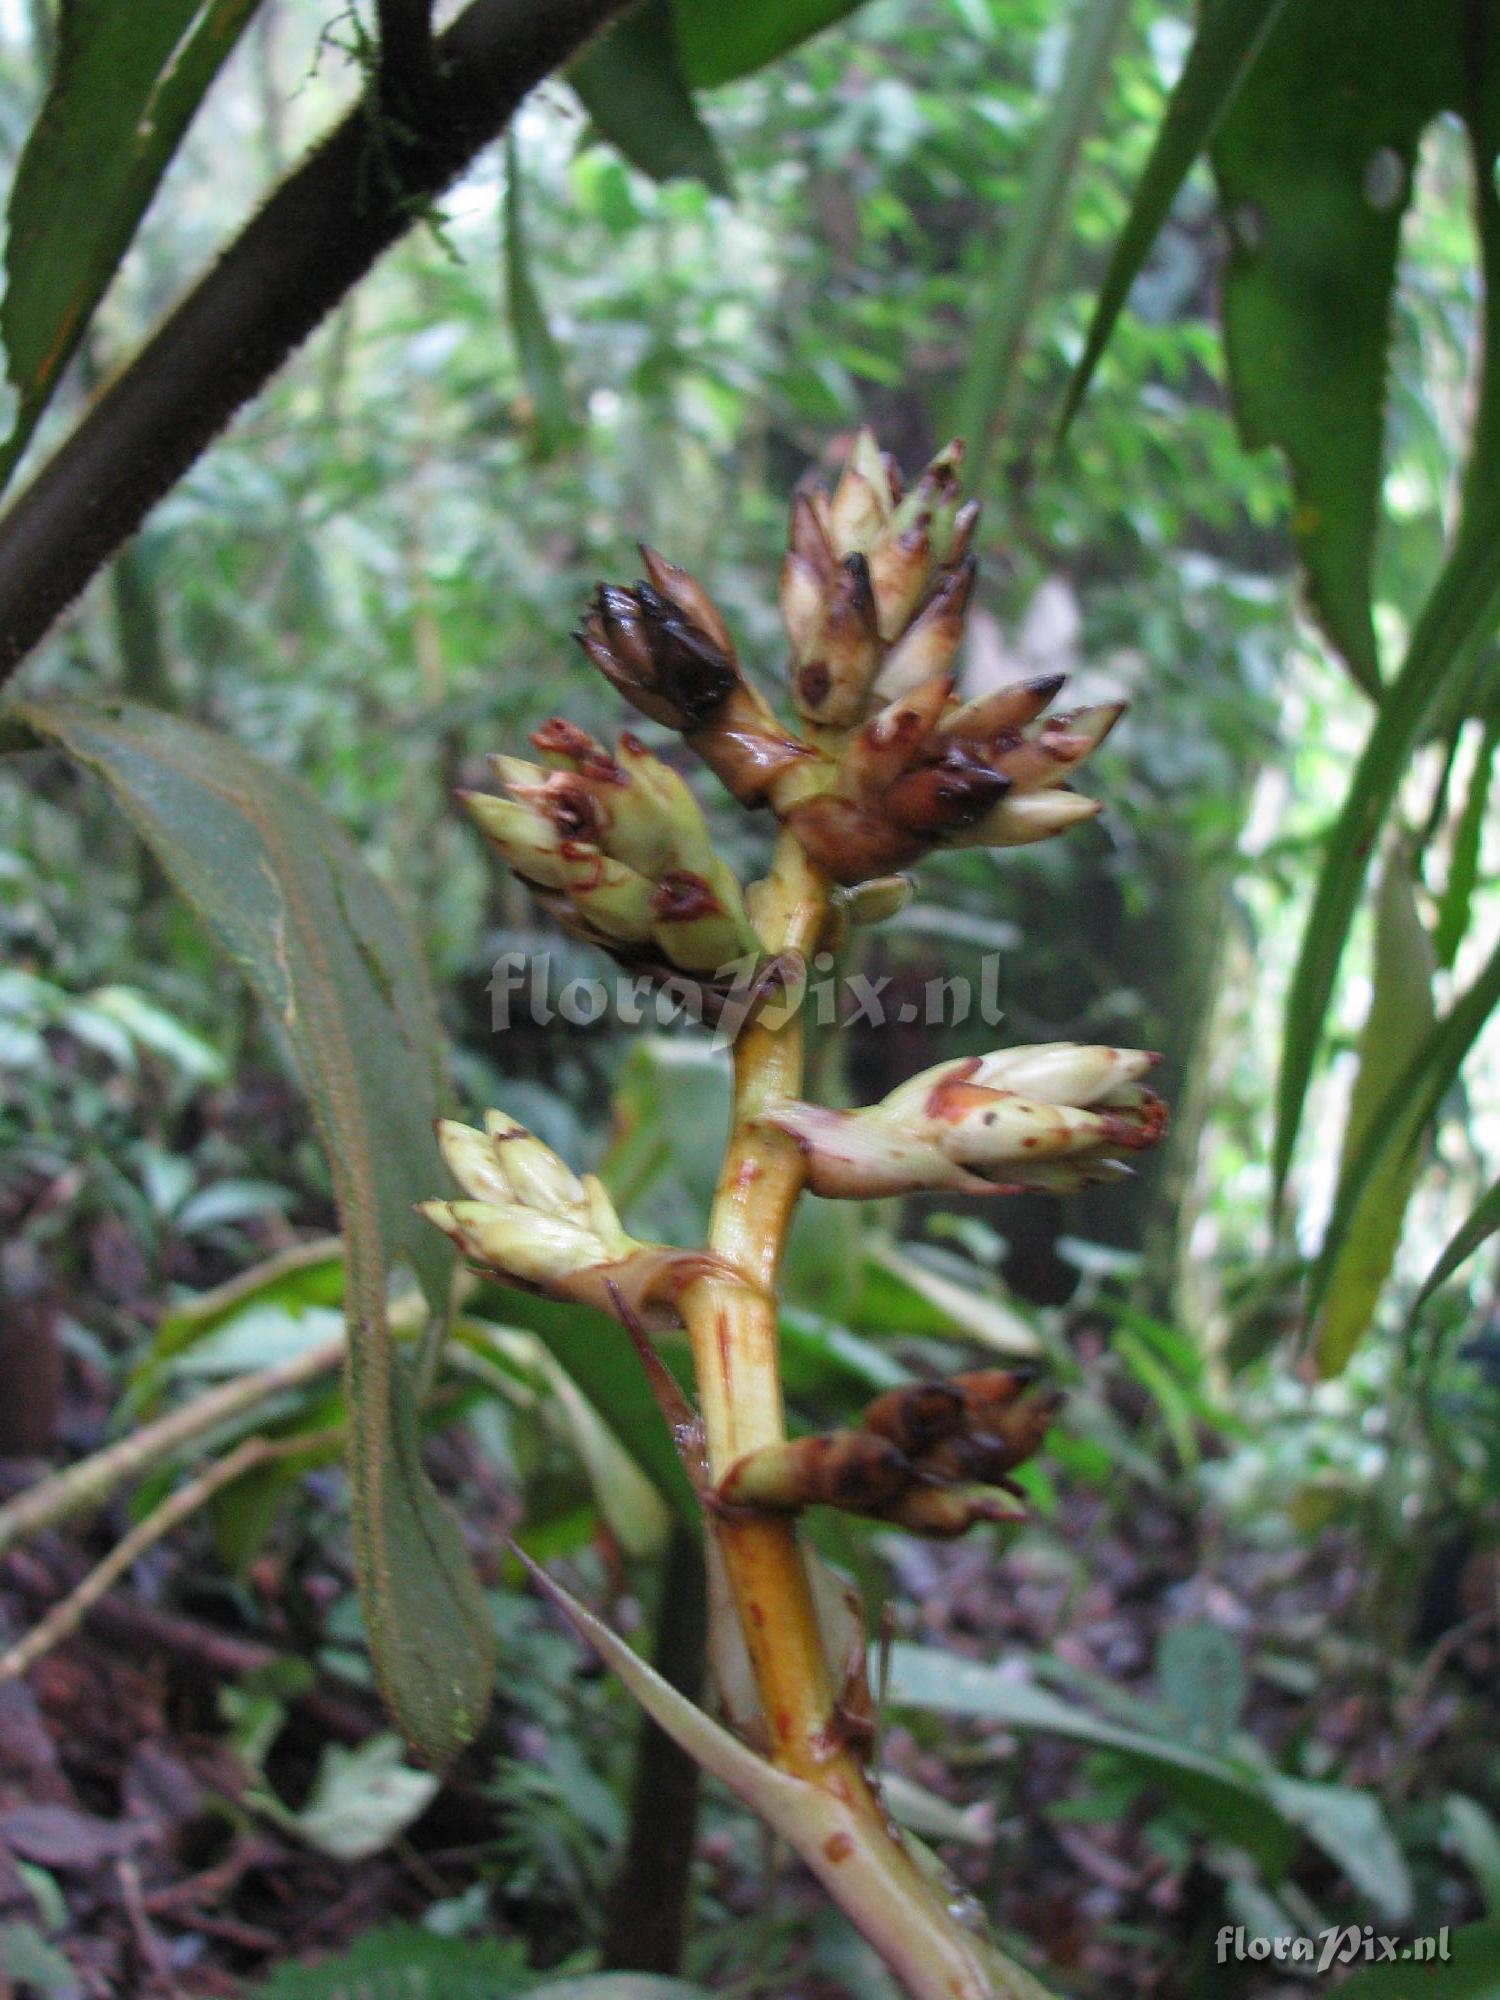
point(757, 1615)
point(746, 1174)
point(838, 1847)
point(721, 1335)
point(813, 683)
point(681, 895)
point(953, 1098)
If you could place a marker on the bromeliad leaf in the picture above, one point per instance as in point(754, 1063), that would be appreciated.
point(1227, 47)
point(1409, 1102)
point(1365, 1232)
point(818, 1823)
point(633, 88)
point(1032, 232)
point(1462, 609)
point(1481, 1223)
point(1315, 162)
point(335, 964)
point(126, 84)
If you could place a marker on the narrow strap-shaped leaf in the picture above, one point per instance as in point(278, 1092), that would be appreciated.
point(1232, 35)
point(537, 351)
point(896, 1909)
point(333, 961)
point(1463, 868)
point(719, 43)
point(126, 83)
point(1407, 1107)
point(1461, 610)
point(633, 88)
point(1481, 1223)
point(1032, 231)
point(1358, 1254)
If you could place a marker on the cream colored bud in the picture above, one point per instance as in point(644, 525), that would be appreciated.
point(1024, 817)
point(1064, 1072)
point(534, 1171)
point(527, 839)
point(516, 1242)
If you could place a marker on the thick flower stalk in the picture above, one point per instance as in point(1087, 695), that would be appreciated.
point(1053, 1117)
point(883, 764)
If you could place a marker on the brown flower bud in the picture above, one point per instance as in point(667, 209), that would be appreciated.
point(854, 1470)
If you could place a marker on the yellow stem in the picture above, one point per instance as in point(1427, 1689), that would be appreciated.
point(735, 1353)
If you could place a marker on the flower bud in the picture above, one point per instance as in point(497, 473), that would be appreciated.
point(948, 1129)
point(855, 1470)
point(878, 901)
point(665, 647)
point(531, 1221)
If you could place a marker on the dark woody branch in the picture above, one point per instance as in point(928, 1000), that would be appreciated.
point(318, 234)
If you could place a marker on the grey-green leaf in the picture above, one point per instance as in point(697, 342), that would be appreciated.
point(326, 949)
point(126, 83)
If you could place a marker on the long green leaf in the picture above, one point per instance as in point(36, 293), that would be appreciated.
point(633, 88)
point(335, 965)
point(1461, 611)
point(1231, 38)
point(1032, 232)
point(1479, 1225)
point(719, 43)
point(126, 83)
point(1361, 1241)
point(1408, 1105)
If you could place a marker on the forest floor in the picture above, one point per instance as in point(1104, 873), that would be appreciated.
point(132, 1841)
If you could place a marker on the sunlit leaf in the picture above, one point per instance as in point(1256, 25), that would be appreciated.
point(1408, 1104)
point(335, 965)
point(537, 351)
point(1362, 1238)
point(1476, 1836)
point(1033, 228)
point(1231, 37)
point(126, 83)
point(633, 87)
point(1462, 608)
point(1481, 1224)
point(360, 1800)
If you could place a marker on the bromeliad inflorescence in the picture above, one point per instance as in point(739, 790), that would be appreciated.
point(882, 764)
